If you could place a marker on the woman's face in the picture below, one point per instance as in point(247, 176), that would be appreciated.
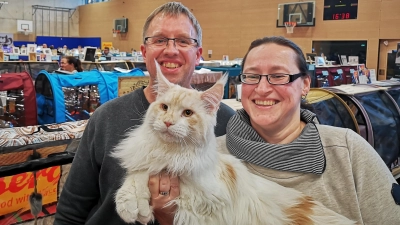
point(66, 66)
point(273, 107)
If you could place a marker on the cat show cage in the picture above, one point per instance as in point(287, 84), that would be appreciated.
point(62, 98)
point(17, 100)
point(376, 113)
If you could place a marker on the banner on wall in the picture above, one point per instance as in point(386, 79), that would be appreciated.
point(15, 191)
point(6, 39)
point(106, 44)
point(398, 54)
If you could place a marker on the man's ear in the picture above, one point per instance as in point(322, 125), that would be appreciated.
point(143, 50)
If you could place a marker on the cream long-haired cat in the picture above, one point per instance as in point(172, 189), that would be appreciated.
point(177, 135)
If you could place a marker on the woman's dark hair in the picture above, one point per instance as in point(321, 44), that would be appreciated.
point(77, 63)
point(300, 60)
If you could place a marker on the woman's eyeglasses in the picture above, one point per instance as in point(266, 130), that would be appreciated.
point(275, 79)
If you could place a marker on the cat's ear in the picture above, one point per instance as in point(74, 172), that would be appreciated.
point(163, 85)
point(213, 96)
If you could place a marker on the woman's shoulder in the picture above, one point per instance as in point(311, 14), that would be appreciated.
point(336, 135)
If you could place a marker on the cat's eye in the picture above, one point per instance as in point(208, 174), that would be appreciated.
point(187, 112)
point(164, 107)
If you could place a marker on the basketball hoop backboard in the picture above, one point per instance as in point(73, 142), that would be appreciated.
point(25, 26)
point(302, 13)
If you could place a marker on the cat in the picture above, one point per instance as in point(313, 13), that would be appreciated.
point(177, 136)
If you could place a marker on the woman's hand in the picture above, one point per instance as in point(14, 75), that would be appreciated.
point(163, 189)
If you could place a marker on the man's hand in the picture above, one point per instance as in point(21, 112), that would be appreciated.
point(163, 188)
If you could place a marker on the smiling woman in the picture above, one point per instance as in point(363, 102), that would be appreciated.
point(281, 142)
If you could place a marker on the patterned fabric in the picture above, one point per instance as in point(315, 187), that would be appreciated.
point(19, 136)
point(305, 154)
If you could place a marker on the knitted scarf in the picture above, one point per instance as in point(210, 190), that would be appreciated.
point(305, 154)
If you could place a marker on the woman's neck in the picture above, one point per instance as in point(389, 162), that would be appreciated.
point(282, 135)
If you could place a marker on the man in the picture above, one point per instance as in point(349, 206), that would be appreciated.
point(106, 52)
point(88, 194)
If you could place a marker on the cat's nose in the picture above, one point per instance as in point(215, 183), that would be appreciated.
point(167, 124)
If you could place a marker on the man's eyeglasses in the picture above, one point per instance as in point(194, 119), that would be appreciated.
point(276, 79)
point(163, 41)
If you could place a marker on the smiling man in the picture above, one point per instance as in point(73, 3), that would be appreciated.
point(172, 38)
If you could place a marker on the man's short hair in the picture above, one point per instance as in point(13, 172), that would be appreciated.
point(174, 9)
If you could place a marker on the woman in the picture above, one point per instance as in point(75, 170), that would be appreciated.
point(280, 142)
point(71, 64)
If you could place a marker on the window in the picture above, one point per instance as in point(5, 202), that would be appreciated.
point(331, 49)
point(94, 1)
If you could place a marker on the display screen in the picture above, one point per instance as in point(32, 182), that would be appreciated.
point(340, 9)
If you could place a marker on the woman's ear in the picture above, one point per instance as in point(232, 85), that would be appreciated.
point(306, 85)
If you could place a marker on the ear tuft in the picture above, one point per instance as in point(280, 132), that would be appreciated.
point(163, 85)
point(213, 96)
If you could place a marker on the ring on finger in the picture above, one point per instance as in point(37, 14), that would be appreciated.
point(164, 193)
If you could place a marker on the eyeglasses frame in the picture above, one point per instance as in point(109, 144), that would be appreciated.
point(292, 77)
point(172, 39)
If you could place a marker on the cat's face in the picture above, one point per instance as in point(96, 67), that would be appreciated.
point(180, 116)
point(184, 115)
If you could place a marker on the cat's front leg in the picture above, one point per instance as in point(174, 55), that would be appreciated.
point(132, 199)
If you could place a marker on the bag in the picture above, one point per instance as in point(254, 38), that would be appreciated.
point(18, 100)
point(61, 98)
point(35, 161)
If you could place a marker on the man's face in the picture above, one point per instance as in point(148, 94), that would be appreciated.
point(106, 51)
point(177, 63)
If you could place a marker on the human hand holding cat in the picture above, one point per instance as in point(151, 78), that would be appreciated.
point(163, 183)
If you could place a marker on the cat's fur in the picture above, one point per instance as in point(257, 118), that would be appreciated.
point(215, 188)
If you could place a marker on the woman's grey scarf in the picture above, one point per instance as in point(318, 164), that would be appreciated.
point(305, 154)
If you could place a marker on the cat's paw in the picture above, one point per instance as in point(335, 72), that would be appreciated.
point(145, 214)
point(127, 205)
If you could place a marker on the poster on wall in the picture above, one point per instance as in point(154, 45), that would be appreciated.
point(398, 54)
point(6, 39)
point(364, 76)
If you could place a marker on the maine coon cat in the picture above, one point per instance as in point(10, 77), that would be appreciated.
point(177, 135)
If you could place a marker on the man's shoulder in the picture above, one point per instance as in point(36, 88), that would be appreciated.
point(223, 115)
point(225, 110)
point(134, 101)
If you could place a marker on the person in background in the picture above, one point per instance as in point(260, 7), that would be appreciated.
point(172, 36)
point(281, 142)
point(44, 45)
point(64, 49)
point(71, 64)
point(80, 49)
point(106, 52)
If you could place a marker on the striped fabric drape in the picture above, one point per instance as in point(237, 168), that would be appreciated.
point(305, 154)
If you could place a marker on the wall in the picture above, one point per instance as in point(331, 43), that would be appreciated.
point(48, 23)
point(98, 20)
point(230, 25)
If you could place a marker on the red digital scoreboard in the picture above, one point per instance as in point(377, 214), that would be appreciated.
point(340, 9)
